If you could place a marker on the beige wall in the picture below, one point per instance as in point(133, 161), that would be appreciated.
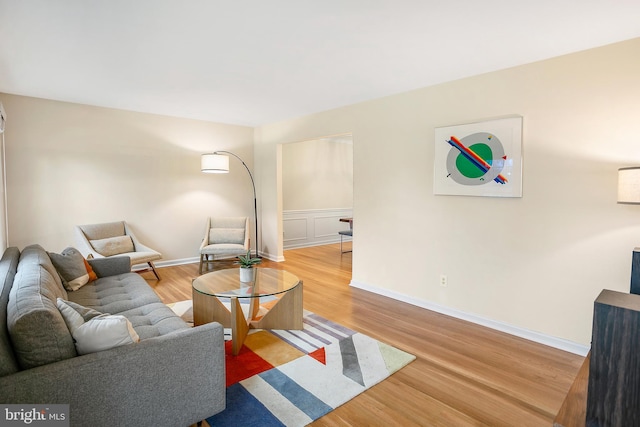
point(317, 174)
point(536, 262)
point(74, 164)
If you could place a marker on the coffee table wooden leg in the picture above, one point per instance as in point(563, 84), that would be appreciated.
point(254, 308)
point(285, 314)
point(207, 309)
point(239, 326)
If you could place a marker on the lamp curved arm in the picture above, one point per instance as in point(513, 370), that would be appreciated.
point(253, 184)
point(255, 200)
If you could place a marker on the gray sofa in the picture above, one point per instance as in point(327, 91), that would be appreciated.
point(174, 376)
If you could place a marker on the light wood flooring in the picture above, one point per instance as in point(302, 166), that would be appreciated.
point(464, 374)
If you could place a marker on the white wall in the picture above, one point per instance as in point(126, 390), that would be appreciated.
point(317, 174)
point(536, 262)
point(73, 164)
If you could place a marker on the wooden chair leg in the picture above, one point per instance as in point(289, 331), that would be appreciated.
point(153, 268)
point(205, 261)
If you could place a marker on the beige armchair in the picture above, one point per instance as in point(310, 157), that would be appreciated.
point(224, 238)
point(114, 239)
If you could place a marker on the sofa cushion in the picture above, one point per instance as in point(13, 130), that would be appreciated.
point(38, 332)
point(130, 295)
point(73, 268)
point(113, 245)
point(154, 320)
point(226, 235)
point(93, 331)
point(115, 294)
point(36, 255)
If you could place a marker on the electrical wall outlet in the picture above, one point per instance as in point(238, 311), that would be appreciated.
point(443, 280)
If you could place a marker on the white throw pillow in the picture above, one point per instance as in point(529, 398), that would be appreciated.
point(98, 332)
point(104, 332)
point(71, 317)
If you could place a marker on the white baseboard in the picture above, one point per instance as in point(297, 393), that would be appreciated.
point(167, 263)
point(538, 337)
point(272, 257)
point(172, 262)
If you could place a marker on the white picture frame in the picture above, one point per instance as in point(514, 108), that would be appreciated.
point(482, 158)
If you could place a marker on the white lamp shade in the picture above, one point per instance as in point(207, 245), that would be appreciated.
point(629, 185)
point(214, 163)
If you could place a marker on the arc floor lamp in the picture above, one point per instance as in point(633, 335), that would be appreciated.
point(218, 162)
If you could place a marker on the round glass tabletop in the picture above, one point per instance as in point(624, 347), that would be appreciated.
point(226, 283)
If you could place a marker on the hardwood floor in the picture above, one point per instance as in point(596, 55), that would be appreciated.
point(464, 374)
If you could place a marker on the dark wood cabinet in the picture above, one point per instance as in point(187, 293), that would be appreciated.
point(635, 272)
point(613, 397)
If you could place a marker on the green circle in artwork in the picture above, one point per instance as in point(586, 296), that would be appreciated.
point(466, 166)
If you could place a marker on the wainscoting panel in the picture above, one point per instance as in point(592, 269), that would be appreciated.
point(303, 228)
point(295, 229)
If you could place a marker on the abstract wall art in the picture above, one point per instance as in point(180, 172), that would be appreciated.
point(479, 159)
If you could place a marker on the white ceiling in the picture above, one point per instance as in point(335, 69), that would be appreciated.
point(253, 62)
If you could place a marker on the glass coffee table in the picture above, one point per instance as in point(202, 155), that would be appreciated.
point(272, 301)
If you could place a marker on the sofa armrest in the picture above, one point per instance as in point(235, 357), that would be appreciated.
point(110, 266)
point(175, 379)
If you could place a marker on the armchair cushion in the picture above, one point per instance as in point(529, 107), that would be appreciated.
point(113, 245)
point(103, 230)
point(226, 235)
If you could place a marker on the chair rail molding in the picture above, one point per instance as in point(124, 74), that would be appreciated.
point(313, 227)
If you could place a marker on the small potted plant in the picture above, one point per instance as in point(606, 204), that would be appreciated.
point(247, 272)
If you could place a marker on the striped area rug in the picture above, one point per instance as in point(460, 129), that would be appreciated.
point(292, 378)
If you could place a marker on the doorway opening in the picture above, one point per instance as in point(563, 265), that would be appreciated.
point(317, 192)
